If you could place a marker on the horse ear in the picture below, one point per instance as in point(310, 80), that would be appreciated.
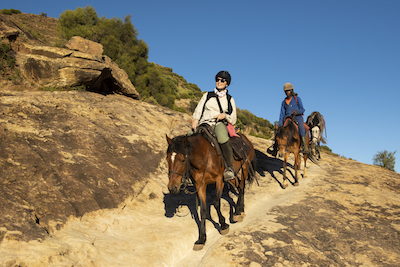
point(169, 140)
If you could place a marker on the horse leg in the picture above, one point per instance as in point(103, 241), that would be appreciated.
point(285, 182)
point(313, 148)
point(319, 150)
point(199, 244)
point(239, 207)
point(305, 157)
point(296, 168)
point(305, 166)
point(217, 205)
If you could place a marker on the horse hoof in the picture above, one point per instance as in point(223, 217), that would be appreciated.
point(224, 232)
point(296, 184)
point(237, 218)
point(198, 247)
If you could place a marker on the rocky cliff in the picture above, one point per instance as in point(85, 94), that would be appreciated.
point(68, 153)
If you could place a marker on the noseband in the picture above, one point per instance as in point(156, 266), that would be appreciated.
point(185, 176)
point(185, 170)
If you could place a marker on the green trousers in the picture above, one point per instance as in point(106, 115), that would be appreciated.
point(220, 131)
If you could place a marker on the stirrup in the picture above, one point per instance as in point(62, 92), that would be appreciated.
point(228, 174)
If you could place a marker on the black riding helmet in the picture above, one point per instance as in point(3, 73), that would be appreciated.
point(224, 75)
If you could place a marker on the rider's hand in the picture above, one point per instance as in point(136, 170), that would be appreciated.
point(194, 124)
point(294, 112)
point(221, 116)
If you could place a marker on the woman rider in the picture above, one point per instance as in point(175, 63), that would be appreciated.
point(214, 108)
point(292, 105)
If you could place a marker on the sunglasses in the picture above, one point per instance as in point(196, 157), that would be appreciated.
point(222, 80)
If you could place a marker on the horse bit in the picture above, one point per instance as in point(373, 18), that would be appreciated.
point(185, 179)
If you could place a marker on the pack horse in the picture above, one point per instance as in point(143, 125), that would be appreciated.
point(195, 158)
point(316, 122)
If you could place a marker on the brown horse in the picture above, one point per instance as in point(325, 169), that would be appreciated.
point(193, 157)
point(287, 139)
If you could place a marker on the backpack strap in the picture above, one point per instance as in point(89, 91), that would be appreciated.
point(295, 98)
point(213, 94)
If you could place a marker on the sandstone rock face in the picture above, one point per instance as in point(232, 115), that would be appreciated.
point(61, 67)
point(69, 153)
point(81, 44)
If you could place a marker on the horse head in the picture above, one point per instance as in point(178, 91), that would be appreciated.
point(281, 141)
point(315, 134)
point(177, 154)
point(286, 136)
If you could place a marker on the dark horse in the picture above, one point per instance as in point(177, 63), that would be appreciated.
point(193, 157)
point(287, 139)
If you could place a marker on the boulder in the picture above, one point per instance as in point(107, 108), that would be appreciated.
point(86, 46)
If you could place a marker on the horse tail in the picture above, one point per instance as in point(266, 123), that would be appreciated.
point(252, 172)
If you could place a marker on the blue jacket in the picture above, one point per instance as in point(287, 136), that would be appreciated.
point(287, 110)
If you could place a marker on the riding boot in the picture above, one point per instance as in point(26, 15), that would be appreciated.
point(227, 152)
point(274, 150)
point(305, 148)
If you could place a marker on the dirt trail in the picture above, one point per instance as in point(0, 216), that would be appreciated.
point(344, 213)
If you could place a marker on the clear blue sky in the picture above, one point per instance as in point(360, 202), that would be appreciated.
point(342, 57)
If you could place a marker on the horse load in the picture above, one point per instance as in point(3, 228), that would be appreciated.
point(316, 122)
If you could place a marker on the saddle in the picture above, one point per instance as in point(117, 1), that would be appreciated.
point(208, 133)
point(240, 148)
point(307, 128)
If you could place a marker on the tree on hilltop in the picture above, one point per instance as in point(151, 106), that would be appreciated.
point(385, 159)
point(155, 84)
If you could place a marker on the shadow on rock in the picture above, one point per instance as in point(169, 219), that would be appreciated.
point(174, 203)
point(269, 164)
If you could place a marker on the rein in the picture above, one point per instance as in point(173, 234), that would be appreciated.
point(205, 168)
point(185, 176)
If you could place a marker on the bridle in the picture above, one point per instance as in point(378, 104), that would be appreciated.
point(185, 170)
point(185, 176)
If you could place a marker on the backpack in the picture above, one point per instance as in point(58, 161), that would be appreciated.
point(213, 94)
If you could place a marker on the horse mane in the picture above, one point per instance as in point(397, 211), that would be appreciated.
point(289, 133)
point(316, 119)
point(180, 145)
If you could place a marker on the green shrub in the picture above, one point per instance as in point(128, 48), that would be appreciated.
point(7, 64)
point(10, 11)
point(325, 148)
point(385, 159)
